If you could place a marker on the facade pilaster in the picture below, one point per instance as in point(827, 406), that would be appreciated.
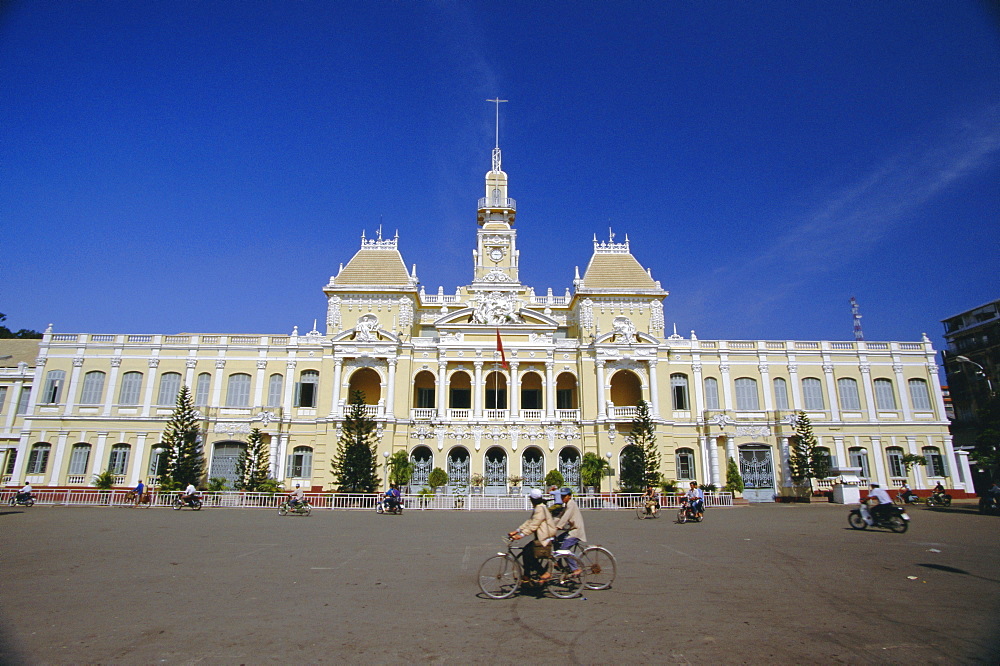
point(147, 399)
point(477, 391)
point(189, 366)
point(514, 400)
point(97, 463)
point(338, 372)
point(878, 454)
point(441, 389)
point(866, 381)
point(786, 462)
point(965, 472)
point(765, 383)
point(727, 389)
point(602, 401)
point(139, 455)
point(904, 395)
point(956, 480)
point(919, 478)
point(838, 445)
point(699, 388)
point(286, 399)
point(796, 385)
point(730, 450)
point(109, 390)
point(258, 392)
point(550, 390)
point(390, 397)
point(55, 468)
point(654, 393)
point(220, 367)
point(74, 382)
point(831, 391)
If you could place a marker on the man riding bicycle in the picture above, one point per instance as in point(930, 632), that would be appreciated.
point(542, 528)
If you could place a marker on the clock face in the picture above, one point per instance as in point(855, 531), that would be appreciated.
point(496, 254)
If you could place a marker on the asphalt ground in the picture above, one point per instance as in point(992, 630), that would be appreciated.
point(763, 584)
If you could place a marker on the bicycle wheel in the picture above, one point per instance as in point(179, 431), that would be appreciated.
point(682, 516)
point(500, 577)
point(563, 583)
point(640, 512)
point(600, 567)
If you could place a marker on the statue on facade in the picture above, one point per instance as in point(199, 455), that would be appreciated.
point(366, 329)
point(624, 330)
point(496, 308)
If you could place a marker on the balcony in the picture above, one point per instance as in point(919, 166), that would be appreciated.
point(568, 414)
point(460, 414)
point(532, 414)
point(622, 412)
point(497, 202)
point(422, 413)
point(496, 414)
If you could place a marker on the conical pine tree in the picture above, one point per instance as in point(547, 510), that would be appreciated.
point(805, 462)
point(643, 435)
point(355, 466)
point(253, 467)
point(182, 439)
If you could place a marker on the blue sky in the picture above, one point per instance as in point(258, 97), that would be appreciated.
point(206, 166)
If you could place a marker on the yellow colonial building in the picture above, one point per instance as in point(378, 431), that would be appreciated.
point(577, 364)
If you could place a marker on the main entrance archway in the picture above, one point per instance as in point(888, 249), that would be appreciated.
point(496, 471)
point(757, 470)
point(224, 458)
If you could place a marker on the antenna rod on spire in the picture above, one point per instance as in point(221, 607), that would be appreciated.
point(496, 145)
point(855, 312)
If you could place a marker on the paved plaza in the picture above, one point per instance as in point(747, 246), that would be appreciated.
point(763, 584)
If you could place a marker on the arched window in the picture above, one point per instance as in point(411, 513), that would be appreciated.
point(824, 452)
point(275, 384)
point(496, 391)
point(308, 386)
point(53, 387)
point(129, 393)
point(626, 389)
point(935, 461)
point(885, 398)
point(894, 455)
point(38, 459)
point(566, 391)
point(78, 459)
point(919, 395)
point(711, 393)
point(780, 393)
point(170, 386)
point(531, 391)
point(201, 389)
point(859, 458)
point(460, 391)
point(812, 393)
point(93, 388)
point(685, 464)
point(300, 463)
point(746, 394)
point(238, 392)
point(423, 390)
point(679, 391)
point(369, 383)
point(118, 463)
point(847, 388)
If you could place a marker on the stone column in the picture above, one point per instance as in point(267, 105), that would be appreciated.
point(730, 449)
point(962, 461)
point(796, 386)
point(477, 391)
point(878, 454)
point(513, 388)
point(949, 456)
point(98, 463)
point(190, 364)
point(74, 381)
point(109, 390)
point(919, 478)
point(713, 452)
point(258, 393)
point(338, 373)
point(904, 395)
point(727, 389)
point(838, 444)
point(654, 394)
point(57, 458)
point(786, 466)
point(550, 390)
point(866, 381)
point(831, 391)
point(390, 392)
point(602, 406)
point(220, 366)
point(286, 399)
point(441, 389)
point(139, 454)
point(147, 400)
point(765, 380)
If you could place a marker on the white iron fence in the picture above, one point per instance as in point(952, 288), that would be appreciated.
point(355, 501)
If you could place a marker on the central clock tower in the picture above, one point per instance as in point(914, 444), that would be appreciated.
point(496, 256)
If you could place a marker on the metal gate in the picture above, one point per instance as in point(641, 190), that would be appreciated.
point(224, 458)
point(421, 459)
point(532, 468)
point(569, 467)
point(496, 471)
point(458, 468)
point(757, 471)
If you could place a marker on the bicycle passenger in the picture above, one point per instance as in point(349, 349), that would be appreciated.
point(571, 519)
point(542, 528)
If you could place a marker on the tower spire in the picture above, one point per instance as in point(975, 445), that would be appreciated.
point(496, 143)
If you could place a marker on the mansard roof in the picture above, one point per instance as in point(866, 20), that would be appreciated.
point(377, 264)
point(613, 268)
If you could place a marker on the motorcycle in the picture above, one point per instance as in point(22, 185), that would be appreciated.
point(181, 501)
point(895, 518)
point(303, 508)
point(942, 499)
point(26, 500)
point(687, 513)
point(910, 499)
point(989, 504)
point(386, 506)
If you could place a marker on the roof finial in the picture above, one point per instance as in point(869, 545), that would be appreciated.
point(496, 145)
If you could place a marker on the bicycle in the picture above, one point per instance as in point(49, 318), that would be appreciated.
point(648, 509)
point(500, 576)
point(599, 565)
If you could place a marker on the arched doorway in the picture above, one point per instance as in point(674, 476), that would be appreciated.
point(423, 390)
point(569, 467)
point(496, 391)
point(460, 391)
point(532, 468)
point(458, 467)
point(423, 461)
point(531, 392)
point(496, 471)
point(757, 470)
point(225, 455)
point(566, 391)
point(369, 383)
point(626, 389)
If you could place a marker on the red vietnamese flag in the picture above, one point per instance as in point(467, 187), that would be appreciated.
point(503, 358)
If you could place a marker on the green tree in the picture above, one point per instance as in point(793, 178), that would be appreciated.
point(24, 333)
point(254, 464)
point(554, 478)
point(437, 478)
point(355, 466)
point(400, 468)
point(632, 469)
point(643, 435)
point(806, 460)
point(185, 460)
point(592, 469)
point(987, 439)
point(734, 481)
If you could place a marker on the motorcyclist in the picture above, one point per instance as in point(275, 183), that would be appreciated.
point(393, 498)
point(190, 494)
point(296, 497)
point(879, 512)
point(540, 526)
point(25, 492)
point(696, 498)
point(906, 494)
point(938, 491)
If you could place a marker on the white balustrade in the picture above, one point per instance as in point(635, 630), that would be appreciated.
point(532, 414)
point(422, 413)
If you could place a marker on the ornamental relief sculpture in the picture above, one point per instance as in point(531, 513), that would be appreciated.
point(366, 330)
point(496, 308)
point(625, 332)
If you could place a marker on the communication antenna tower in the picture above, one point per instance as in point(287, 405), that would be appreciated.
point(859, 335)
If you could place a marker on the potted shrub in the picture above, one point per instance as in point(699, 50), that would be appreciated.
point(668, 487)
point(437, 479)
point(477, 480)
point(554, 478)
point(514, 480)
point(104, 482)
point(592, 470)
point(400, 469)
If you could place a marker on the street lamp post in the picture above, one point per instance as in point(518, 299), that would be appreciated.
point(982, 371)
point(610, 483)
point(385, 454)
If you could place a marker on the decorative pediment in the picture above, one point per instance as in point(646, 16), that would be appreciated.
point(379, 336)
point(614, 338)
point(466, 319)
